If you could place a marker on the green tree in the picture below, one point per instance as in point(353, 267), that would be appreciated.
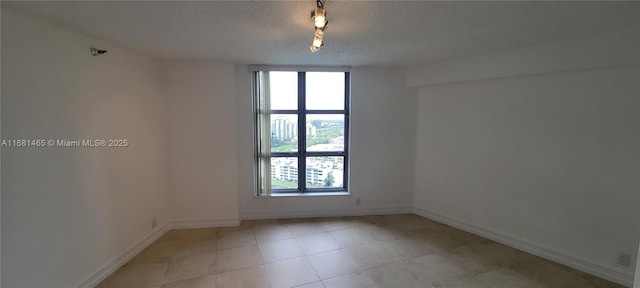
point(275, 142)
point(328, 182)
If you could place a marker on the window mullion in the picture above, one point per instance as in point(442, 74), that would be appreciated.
point(302, 168)
point(325, 112)
point(284, 112)
point(347, 124)
point(325, 153)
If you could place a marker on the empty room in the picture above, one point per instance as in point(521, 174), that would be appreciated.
point(320, 144)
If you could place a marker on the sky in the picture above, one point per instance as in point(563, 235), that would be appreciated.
point(324, 90)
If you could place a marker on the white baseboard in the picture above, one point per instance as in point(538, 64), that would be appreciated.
point(204, 223)
point(604, 271)
point(117, 262)
point(327, 213)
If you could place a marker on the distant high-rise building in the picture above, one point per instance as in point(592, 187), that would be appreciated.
point(311, 130)
point(283, 129)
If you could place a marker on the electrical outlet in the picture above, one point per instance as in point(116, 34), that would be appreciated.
point(153, 223)
point(624, 259)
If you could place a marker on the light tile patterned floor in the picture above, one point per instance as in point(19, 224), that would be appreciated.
point(395, 251)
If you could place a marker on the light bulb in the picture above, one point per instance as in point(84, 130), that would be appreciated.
point(319, 18)
point(317, 41)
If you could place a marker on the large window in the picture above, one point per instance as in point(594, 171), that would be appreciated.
point(302, 131)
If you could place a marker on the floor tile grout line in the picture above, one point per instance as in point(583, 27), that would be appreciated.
point(266, 274)
point(334, 239)
point(166, 270)
point(314, 270)
point(258, 246)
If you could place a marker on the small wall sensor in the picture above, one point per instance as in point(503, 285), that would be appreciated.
point(96, 51)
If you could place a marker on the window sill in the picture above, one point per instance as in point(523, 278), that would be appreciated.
point(317, 194)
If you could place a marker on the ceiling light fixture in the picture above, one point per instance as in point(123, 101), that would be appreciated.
point(319, 17)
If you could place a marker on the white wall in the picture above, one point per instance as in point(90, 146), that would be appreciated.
point(201, 142)
point(547, 161)
point(382, 151)
point(66, 212)
point(611, 49)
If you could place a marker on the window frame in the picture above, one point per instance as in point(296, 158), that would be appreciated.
point(302, 154)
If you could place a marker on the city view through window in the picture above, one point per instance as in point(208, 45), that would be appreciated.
point(322, 130)
point(323, 134)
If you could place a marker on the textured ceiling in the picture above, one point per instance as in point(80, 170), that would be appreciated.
point(359, 32)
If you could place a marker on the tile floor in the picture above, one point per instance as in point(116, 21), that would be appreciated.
point(396, 251)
